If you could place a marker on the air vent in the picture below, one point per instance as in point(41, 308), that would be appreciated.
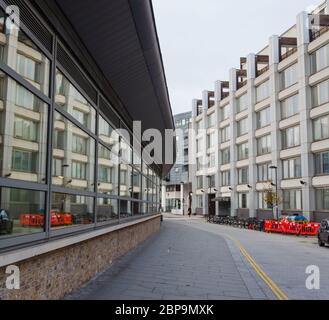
point(32, 23)
point(108, 112)
point(65, 60)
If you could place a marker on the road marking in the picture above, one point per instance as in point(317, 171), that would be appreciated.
point(261, 273)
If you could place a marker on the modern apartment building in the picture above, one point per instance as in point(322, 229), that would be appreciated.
point(266, 129)
point(71, 76)
point(176, 187)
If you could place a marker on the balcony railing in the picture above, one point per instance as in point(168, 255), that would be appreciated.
point(242, 84)
point(262, 71)
point(314, 34)
point(288, 53)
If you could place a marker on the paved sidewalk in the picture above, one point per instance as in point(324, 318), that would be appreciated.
point(180, 262)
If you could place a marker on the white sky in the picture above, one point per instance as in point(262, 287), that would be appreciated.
point(202, 39)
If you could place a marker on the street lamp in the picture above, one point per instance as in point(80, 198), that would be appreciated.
point(275, 168)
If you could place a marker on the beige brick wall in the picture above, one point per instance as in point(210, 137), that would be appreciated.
point(55, 274)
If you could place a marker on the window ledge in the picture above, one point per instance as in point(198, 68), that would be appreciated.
point(15, 256)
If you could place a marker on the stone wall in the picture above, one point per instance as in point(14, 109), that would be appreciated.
point(57, 273)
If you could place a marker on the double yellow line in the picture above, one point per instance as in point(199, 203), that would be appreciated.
point(270, 283)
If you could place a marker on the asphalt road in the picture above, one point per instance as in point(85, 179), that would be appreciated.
point(191, 259)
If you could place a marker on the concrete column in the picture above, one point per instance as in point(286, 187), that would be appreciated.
point(233, 149)
point(182, 199)
point(205, 100)
point(192, 155)
point(218, 86)
point(275, 110)
point(163, 197)
point(252, 203)
point(303, 24)
point(305, 105)
point(274, 50)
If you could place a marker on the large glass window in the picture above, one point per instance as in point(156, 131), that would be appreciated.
point(74, 103)
point(242, 126)
point(264, 173)
point(242, 103)
point(289, 107)
point(211, 120)
point(25, 129)
point(292, 200)
point(289, 76)
point(211, 139)
point(292, 168)
point(264, 145)
point(322, 163)
point(321, 128)
point(263, 118)
point(322, 199)
point(243, 200)
point(243, 175)
point(77, 154)
point(291, 137)
point(225, 134)
point(262, 203)
point(199, 201)
point(23, 56)
point(70, 210)
point(21, 212)
point(243, 151)
point(320, 59)
point(107, 210)
point(226, 178)
point(225, 112)
point(23, 133)
point(226, 156)
point(107, 133)
point(320, 93)
point(263, 91)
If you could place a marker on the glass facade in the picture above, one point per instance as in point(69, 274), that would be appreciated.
point(321, 128)
point(242, 103)
point(320, 93)
point(264, 145)
point(243, 151)
point(242, 127)
point(263, 118)
point(289, 107)
point(292, 200)
point(75, 171)
point(289, 76)
point(292, 168)
point(263, 91)
point(291, 137)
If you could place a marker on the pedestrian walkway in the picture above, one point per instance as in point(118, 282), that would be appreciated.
point(180, 262)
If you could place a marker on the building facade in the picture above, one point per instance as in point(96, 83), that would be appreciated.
point(70, 164)
point(176, 186)
point(265, 131)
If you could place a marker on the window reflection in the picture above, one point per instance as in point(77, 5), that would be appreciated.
point(23, 133)
point(19, 52)
point(21, 211)
point(107, 210)
point(73, 156)
point(74, 103)
point(68, 210)
point(108, 168)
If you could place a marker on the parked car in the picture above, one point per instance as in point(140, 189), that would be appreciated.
point(323, 235)
point(6, 225)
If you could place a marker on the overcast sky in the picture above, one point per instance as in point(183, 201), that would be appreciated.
point(202, 39)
